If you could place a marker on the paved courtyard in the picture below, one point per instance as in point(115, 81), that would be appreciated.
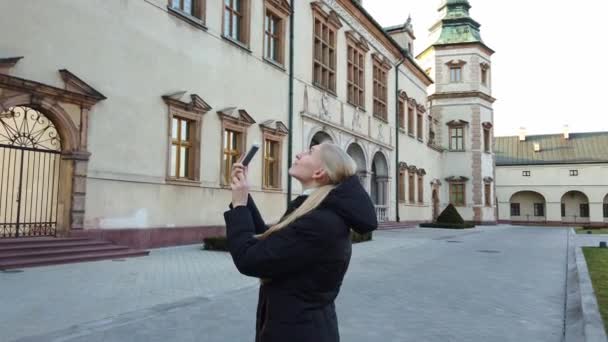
point(487, 284)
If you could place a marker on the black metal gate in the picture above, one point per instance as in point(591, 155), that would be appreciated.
point(30, 157)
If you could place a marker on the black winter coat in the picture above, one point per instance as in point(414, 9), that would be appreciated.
point(305, 262)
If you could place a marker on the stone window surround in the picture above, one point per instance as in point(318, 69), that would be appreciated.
point(192, 111)
point(420, 111)
point(457, 124)
point(360, 47)
point(487, 136)
point(453, 180)
point(411, 117)
point(382, 65)
point(334, 24)
point(456, 64)
point(403, 99)
point(244, 39)
point(197, 19)
point(237, 120)
point(488, 194)
point(275, 131)
point(280, 9)
point(485, 67)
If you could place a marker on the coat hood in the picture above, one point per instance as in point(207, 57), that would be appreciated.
point(351, 202)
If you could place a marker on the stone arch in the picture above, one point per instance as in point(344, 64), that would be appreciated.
point(358, 154)
point(379, 185)
point(65, 126)
point(574, 207)
point(528, 206)
point(320, 135)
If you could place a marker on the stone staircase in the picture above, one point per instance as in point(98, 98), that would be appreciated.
point(28, 252)
point(395, 225)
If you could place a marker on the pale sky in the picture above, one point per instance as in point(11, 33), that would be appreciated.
point(550, 66)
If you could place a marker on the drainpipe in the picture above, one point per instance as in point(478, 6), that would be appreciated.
point(290, 96)
point(397, 178)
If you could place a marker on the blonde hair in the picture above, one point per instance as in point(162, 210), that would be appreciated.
point(338, 165)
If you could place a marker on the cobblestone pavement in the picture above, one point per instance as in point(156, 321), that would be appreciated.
point(487, 284)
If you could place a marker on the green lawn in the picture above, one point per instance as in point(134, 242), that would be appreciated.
point(597, 262)
point(593, 231)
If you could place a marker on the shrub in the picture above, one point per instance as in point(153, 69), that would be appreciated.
point(450, 215)
point(356, 237)
point(448, 225)
point(215, 243)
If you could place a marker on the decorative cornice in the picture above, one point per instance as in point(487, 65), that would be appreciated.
point(421, 172)
point(40, 90)
point(436, 182)
point(487, 125)
point(75, 84)
point(357, 40)
point(488, 179)
point(412, 102)
point(236, 115)
point(464, 94)
point(456, 179)
point(455, 123)
point(274, 127)
point(384, 62)
point(420, 108)
point(484, 66)
point(403, 95)
point(280, 5)
point(196, 104)
point(456, 63)
point(412, 169)
point(8, 63)
point(332, 17)
point(403, 166)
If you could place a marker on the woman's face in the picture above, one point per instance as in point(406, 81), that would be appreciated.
point(307, 167)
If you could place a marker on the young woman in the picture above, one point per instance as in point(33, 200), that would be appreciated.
point(301, 260)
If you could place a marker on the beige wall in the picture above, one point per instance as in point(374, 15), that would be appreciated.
point(553, 182)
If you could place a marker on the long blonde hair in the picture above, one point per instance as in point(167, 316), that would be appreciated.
point(338, 165)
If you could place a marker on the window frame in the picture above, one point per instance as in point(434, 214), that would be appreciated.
point(526, 173)
point(356, 66)
point(452, 193)
point(192, 112)
point(539, 209)
point(455, 128)
point(411, 186)
point(281, 11)
point(380, 69)
point(402, 108)
point(420, 188)
point(238, 121)
point(332, 22)
point(488, 194)
point(275, 133)
point(243, 40)
point(456, 68)
point(411, 117)
point(515, 207)
point(198, 15)
point(402, 187)
point(485, 74)
point(605, 209)
point(584, 210)
point(573, 173)
point(419, 124)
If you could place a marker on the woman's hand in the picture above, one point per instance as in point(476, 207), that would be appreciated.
point(240, 186)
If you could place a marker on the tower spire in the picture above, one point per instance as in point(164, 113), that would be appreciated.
point(456, 25)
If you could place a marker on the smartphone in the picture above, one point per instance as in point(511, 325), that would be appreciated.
point(252, 151)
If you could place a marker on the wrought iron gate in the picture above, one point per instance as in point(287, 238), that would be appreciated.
point(30, 157)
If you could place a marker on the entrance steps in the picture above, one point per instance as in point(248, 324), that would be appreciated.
point(395, 225)
point(29, 252)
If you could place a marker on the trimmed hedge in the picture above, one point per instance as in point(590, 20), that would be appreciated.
point(448, 225)
point(356, 237)
point(450, 215)
point(215, 243)
point(220, 243)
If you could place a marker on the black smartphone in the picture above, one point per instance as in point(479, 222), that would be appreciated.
point(252, 151)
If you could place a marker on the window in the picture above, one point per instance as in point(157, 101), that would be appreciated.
point(233, 147)
point(182, 148)
point(356, 72)
point(234, 137)
point(485, 68)
point(194, 8)
point(457, 138)
point(584, 209)
point(486, 140)
point(236, 20)
point(410, 119)
point(515, 209)
point(563, 209)
point(324, 50)
point(402, 181)
point(273, 37)
point(573, 173)
point(380, 89)
point(272, 163)
point(488, 194)
point(420, 125)
point(539, 209)
point(274, 132)
point(455, 74)
point(525, 173)
point(605, 210)
point(412, 187)
point(420, 189)
point(275, 16)
point(402, 114)
point(183, 151)
point(457, 194)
